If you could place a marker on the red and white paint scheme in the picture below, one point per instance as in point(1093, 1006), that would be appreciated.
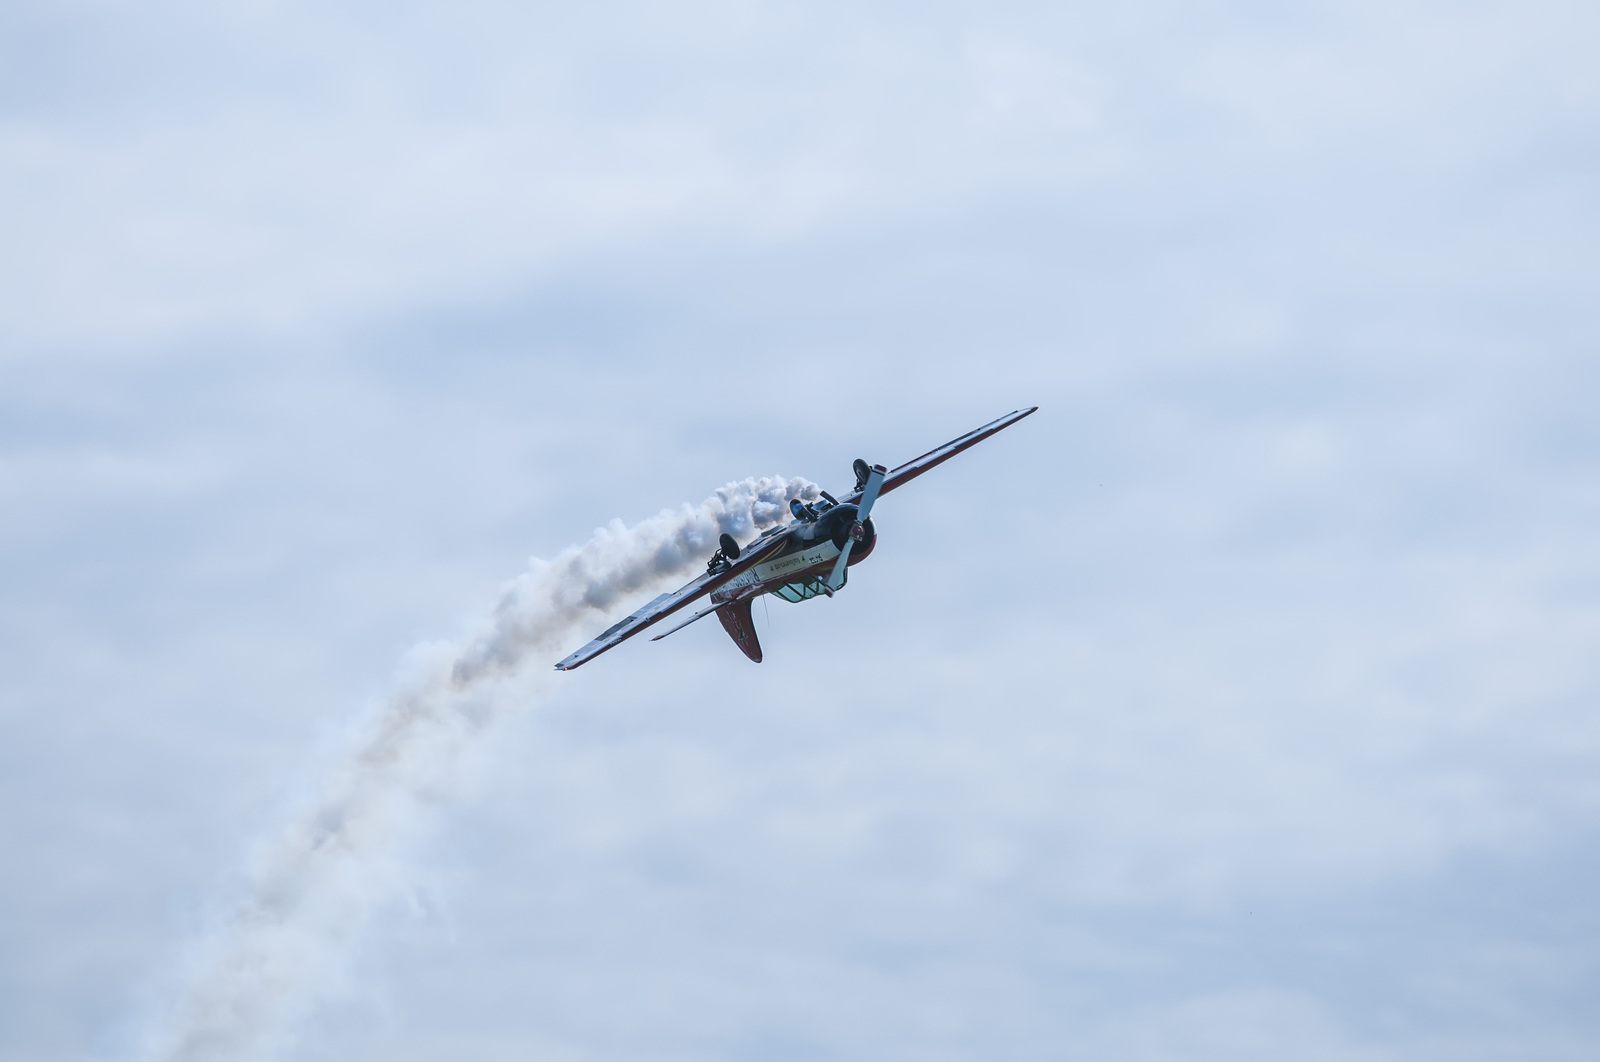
point(805, 558)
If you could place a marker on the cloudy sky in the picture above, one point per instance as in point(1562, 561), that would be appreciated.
point(1240, 704)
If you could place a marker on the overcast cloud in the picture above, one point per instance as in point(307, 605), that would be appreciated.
point(1240, 704)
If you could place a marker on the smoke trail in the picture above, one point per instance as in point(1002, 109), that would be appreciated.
point(310, 887)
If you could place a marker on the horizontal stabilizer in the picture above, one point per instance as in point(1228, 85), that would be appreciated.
point(702, 614)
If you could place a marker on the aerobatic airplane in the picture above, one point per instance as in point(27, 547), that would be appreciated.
point(797, 561)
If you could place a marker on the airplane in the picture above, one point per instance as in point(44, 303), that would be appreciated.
point(805, 558)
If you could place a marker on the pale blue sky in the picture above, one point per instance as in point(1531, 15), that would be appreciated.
point(1239, 705)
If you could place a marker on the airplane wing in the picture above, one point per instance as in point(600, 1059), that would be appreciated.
point(940, 454)
point(667, 604)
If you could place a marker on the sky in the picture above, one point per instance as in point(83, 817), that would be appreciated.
point(1240, 704)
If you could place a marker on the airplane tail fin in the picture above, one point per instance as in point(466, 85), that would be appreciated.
point(741, 626)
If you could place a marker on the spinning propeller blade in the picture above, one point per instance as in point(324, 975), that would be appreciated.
point(869, 494)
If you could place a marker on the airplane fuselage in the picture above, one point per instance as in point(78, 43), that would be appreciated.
point(812, 548)
point(798, 571)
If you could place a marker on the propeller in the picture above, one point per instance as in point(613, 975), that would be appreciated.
point(869, 494)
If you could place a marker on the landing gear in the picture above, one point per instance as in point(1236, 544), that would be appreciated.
point(727, 552)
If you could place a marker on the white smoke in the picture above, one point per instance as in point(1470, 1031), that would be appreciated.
point(282, 939)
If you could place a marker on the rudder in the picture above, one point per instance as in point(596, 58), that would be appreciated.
point(741, 626)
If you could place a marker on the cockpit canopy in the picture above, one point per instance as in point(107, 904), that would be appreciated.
point(804, 590)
